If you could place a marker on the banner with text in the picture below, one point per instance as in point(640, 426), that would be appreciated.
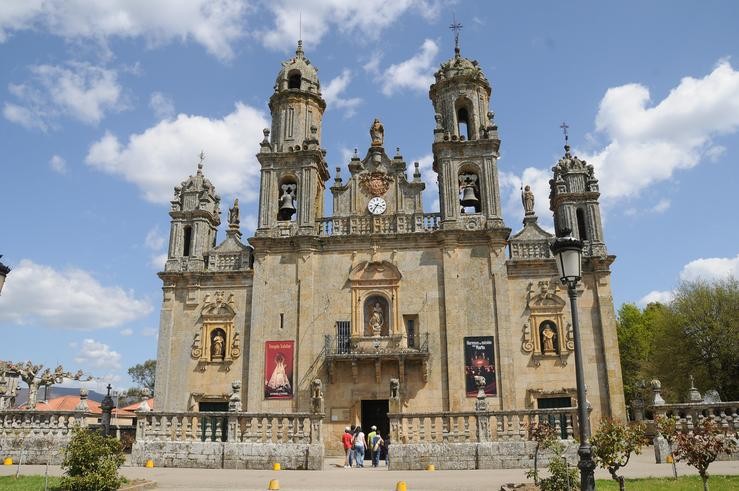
point(479, 360)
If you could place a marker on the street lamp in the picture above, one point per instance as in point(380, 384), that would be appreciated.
point(4, 270)
point(567, 252)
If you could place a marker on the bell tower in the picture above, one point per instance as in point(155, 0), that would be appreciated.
point(196, 214)
point(294, 170)
point(573, 198)
point(465, 145)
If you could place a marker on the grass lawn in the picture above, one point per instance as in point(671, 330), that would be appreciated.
point(27, 483)
point(686, 483)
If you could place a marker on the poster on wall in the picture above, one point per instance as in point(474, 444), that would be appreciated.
point(278, 369)
point(479, 360)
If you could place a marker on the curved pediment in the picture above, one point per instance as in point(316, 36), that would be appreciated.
point(218, 306)
point(384, 271)
point(544, 296)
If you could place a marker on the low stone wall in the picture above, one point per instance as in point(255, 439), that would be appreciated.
point(34, 449)
point(229, 455)
point(469, 456)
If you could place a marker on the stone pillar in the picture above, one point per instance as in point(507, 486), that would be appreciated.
point(107, 407)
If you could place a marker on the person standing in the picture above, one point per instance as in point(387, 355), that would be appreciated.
point(352, 432)
point(370, 436)
point(376, 443)
point(360, 444)
point(346, 440)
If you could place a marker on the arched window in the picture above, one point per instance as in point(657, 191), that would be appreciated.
point(582, 230)
point(187, 242)
point(469, 191)
point(287, 188)
point(293, 80)
point(463, 123)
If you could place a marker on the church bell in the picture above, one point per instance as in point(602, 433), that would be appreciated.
point(287, 207)
point(468, 197)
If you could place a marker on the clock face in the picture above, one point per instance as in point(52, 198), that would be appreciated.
point(377, 205)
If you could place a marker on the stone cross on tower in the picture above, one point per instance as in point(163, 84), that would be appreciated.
point(456, 27)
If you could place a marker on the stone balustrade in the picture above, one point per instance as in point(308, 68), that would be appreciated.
point(474, 439)
point(38, 437)
point(390, 224)
point(231, 440)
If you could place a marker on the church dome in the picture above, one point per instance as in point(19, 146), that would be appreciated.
point(298, 73)
point(460, 67)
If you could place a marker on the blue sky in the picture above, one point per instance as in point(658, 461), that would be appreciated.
point(105, 106)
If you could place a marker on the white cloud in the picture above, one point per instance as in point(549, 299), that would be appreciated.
point(58, 164)
point(215, 24)
point(162, 105)
point(373, 65)
point(71, 298)
point(662, 206)
point(97, 355)
point(415, 73)
point(428, 176)
point(366, 19)
point(163, 155)
point(149, 331)
point(709, 269)
point(154, 239)
point(79, 90)
point(663, 297)
point(126, 332)
point(333, 94)
point(649, 144)
point(157, 261)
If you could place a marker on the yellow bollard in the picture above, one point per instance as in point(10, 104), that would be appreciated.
point(276, 466)
point(400, 486)
point(669, 459)
point(8, 461)
point(430, 467)
point(273, 484)
point(149, 464)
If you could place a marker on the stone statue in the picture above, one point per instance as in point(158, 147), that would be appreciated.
point(317, 396)
point(437, 117)
point(217, 348)
point(376, 320)
point(527, 198)
point(394, 388)
point(234, 401)
point(233, 214)
point(547, 335)
point(377, 133)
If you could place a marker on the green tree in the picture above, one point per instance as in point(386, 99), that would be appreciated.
point(613, 445)
point(699, 336)
point(91, 462)
point(701, 447)
point(143, 374)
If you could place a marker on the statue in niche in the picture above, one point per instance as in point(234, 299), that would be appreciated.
point(216, 349)
point(233, 214)
point(377, 133)
point(548, 339)
point(376, 320)
point(527, 198)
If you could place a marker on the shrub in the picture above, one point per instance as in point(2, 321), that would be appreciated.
point(613, 445)
point(544, 435)
point(91, 462)
point(667, 427)
point(561, 475)
point(702, 446)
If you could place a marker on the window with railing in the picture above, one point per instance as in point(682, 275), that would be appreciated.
point(343, 334)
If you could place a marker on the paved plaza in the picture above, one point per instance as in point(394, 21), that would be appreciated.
point(335, 477)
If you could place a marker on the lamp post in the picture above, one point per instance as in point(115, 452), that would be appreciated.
point(4, 270)
point(567, 252)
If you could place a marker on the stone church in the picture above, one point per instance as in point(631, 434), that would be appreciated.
point(380, 295)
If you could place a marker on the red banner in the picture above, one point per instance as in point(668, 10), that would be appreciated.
point(278, 369)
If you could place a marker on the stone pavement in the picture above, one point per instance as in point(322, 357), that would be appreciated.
point(335, 477)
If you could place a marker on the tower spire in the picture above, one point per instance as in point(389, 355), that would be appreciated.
point(456, 27)
point(564, 127)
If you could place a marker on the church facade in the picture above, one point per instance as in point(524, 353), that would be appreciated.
point(380, 295)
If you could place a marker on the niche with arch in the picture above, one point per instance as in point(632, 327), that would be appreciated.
point(217, 340)
point(469, 189)
point(293, 79)
point(287, 198)
point(582, 229)
point(464, 112)
point(377, 318)
point(546, 333)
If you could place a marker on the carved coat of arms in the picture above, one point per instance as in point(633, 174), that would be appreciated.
point(375, 184)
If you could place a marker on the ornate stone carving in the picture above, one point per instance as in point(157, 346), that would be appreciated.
point(317, 396)
point(527, 345)
point(235, 346)
point(527, 198)
point(234, 400)
point(375, 183)
point(394, 388)
point(196, 351)
point(545, 333)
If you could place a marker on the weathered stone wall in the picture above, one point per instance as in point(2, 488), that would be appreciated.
point(34, 449)
point(226, 455)
point(467, 456)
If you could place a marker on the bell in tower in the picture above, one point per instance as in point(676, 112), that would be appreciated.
point(465, 145)
point(294, 170)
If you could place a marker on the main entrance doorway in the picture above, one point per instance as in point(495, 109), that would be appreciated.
point(374, 412)
point(553, 403)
